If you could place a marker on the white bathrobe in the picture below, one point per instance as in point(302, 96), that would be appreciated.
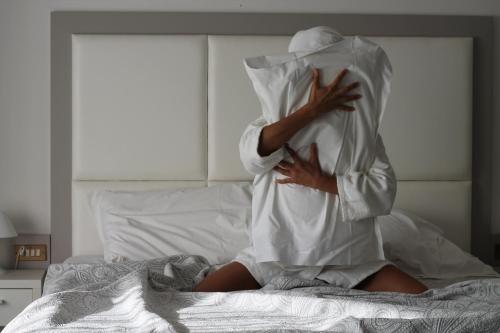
point(297, 225)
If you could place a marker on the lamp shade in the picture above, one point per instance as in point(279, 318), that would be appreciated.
point(6, 228)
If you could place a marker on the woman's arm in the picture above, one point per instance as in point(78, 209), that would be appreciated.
point(261, 144)
point(306, 173)
point(362, 193)
point(321, 100)
point(273, 136)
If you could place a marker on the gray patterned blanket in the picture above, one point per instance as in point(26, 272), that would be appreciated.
point(155, 296)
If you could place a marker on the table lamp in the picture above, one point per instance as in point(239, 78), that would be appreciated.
point(6, 231)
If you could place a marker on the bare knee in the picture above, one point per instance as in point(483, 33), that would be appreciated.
point(389, 270)
point(403, 282)
point(391, 278)
point(231, 277)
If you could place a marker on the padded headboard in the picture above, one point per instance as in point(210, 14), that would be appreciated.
point(166, 107)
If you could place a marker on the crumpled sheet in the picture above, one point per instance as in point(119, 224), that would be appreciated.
point(154, 296)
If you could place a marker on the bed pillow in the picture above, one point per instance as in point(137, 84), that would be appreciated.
point(140, 225)
point(419, 248)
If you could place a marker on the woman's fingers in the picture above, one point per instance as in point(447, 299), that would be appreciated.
point(332, 86)
point(315, 76)
point(315, 84)
point(313, 156)
point(344, 107)
point(285, 164)
point(285, 181)
point(340, 96)
point(346, 89)
point(282, 171)
point(346, 98)
point(292, 153)
point(332, 96)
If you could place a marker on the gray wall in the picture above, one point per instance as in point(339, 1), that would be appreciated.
point(25, 81)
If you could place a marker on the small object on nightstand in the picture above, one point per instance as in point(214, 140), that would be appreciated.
point(18, 288)
point(6, 231)
point(31, 252)
point(19, 252)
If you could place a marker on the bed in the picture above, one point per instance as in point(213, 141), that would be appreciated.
point(114, 73)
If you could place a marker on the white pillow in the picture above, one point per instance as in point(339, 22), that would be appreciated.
point(140, 225)
point(419, 248)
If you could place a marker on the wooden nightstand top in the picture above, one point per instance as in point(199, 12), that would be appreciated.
point(22, 278)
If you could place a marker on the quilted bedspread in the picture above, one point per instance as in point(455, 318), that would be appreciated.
point(155, 296)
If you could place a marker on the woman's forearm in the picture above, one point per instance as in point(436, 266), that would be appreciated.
point(329, 98)
point(275, 135)
point(328, 183)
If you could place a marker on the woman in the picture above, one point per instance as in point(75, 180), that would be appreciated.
point(318, 223)
point(235, 276)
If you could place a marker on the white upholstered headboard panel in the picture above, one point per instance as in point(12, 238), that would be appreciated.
point(153, 111)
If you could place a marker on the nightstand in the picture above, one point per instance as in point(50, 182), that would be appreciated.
point(18, 288)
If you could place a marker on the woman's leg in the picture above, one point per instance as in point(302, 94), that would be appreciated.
point(390, 278)
point(230, 277)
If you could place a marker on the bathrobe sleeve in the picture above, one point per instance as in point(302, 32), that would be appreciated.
point(370, 193)
point(252, 161)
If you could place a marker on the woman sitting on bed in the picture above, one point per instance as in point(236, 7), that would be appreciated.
point(318, 222)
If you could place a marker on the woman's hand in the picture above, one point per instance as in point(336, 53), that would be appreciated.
point(306, 173)
point(332, 97)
